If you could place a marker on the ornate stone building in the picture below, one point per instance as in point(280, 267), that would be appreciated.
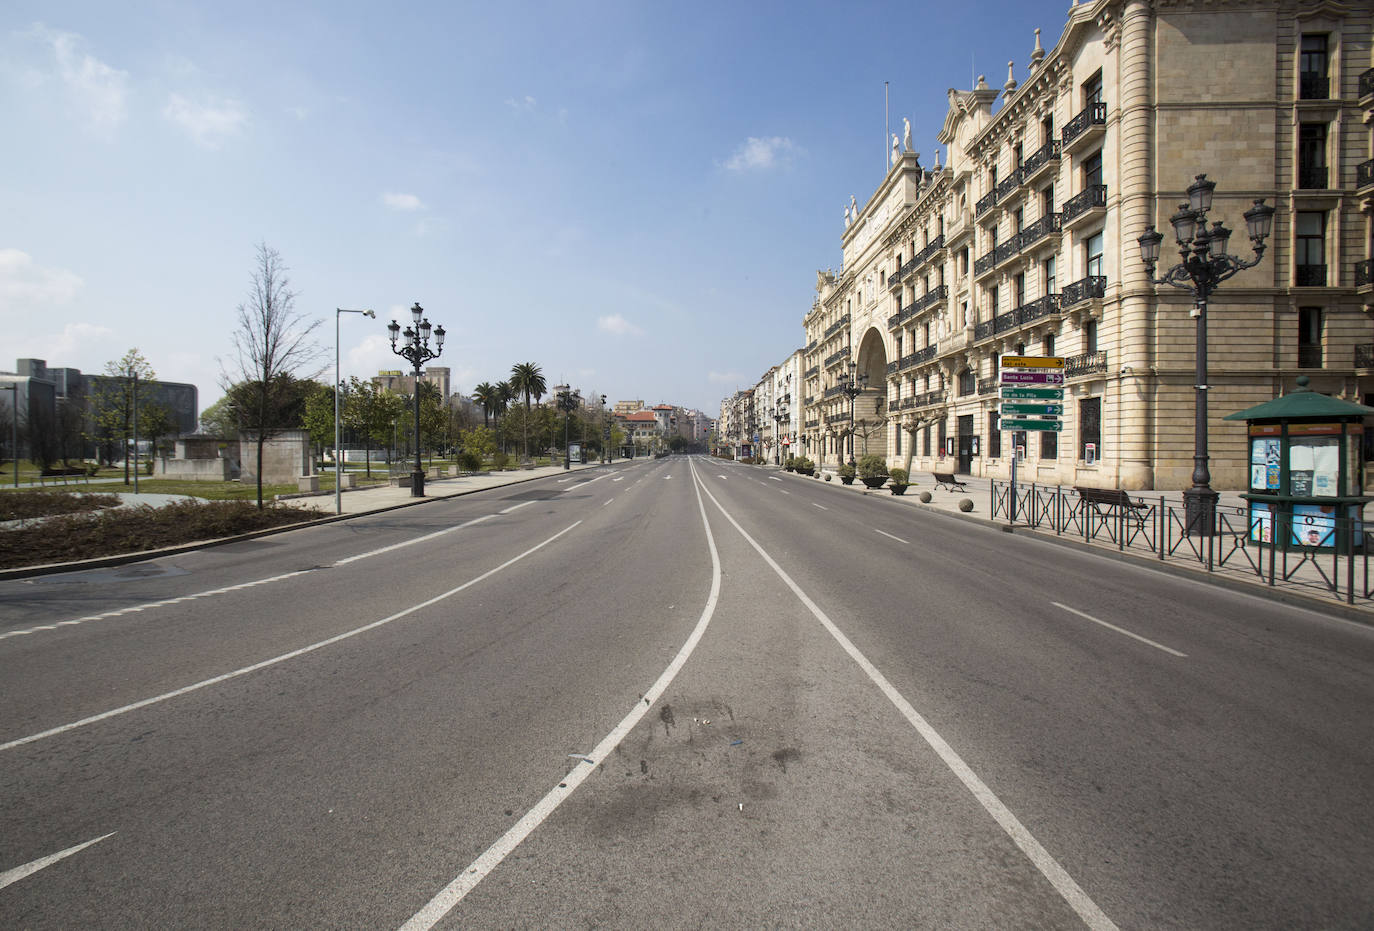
point(1025, 242)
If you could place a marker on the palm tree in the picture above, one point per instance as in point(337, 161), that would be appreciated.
point(505, 394)
point(485, 395)
point(529, 380)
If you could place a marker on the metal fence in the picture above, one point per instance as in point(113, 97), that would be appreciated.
point(1334, 562)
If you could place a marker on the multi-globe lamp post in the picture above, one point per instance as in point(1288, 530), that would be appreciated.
point(852, 384)
point(778, 417)
point(415, 350)
point(1205, 264)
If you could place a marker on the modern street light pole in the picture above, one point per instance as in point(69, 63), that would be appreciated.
point(416, 350)
point(338, 384)
point(14, 428)
point(852, 385)
point(1205, 264)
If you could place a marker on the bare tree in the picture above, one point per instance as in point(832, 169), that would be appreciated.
point(272, 342)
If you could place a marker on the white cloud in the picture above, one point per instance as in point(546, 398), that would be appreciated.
point(24, 283)
point(76, 338)
point(209, 122)
point(761, 154)
point(725, 378)
point(618, 326)
point(402, 201)
point(522, 103)
point(101, 91)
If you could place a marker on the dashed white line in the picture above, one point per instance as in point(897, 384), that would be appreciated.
point(775, 478)
point(886, 534)
point(1120, 630)
point(28, 869)
point(821, 506)
point(784, 491)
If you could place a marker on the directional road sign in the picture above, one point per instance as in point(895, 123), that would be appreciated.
point(1019, 424)
point(1020, 408)
point(1032, 392)
point(1032, 362)
point(1038, 377)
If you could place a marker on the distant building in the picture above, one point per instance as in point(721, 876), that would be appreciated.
point(396, 381)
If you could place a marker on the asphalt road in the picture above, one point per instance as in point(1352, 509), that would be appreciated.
point(676, 694)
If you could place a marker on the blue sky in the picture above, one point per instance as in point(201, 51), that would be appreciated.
point(634, 196)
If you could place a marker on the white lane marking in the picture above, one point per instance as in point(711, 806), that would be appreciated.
point(1120, 630)
point(668, 476)
point(821, 506)
point(784, 491)
point(396, 546)
point(225, 677)
point(1063, 883)
point(775, 478)
point(723, 478)
point(466, 881)
point(515, 507)
point(608, 501)
point(28, 869)
point(618, 478)
point(886, 534)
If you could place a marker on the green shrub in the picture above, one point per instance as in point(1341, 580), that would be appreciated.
point(898, 475)
point(845, 471)
point(499, 460)
point(872, 466)
point(469, 461)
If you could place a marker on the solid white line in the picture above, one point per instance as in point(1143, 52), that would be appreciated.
point(784, 491)
point(28, 869)
point(215, 680)
point(618, 478)
point(723, 478)
point(775, 478)
point(1119, 630)
point(1071, 892)
point(821, 506)
point(465, 882)
point(886, 534)
point(608, 501)
point(515, 507)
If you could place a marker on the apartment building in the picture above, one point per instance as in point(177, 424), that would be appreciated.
point(1025, 242)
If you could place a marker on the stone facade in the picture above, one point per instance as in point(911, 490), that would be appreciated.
point(1025, 241)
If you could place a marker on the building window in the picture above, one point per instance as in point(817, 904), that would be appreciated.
point(1310, 248)
point(1309, 337)
point(1047, 200)
point(1049, 444)
point(1092, 170)
point(1019, 289)
point(1090, 336)
point(1312, 68)
point(992, 303)
point(1017, 157)
point(992, 179)
point(967, 383)
point(925, 332)
point(925, 441)
point(1047, 268)
point(1047, 129)
point(963, 261)
point(963, 313)
point(1020, 349)
point(899, 345)
point(1312, 155)
point(995, 435)
point(1092, 251)
point(1092, 90)
point(899, 442)
point(1048, 343)
point(1090, 427)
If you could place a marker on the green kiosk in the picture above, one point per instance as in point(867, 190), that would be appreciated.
point(1306, 470)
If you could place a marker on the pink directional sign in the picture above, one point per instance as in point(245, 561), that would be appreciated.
point(1032, 378)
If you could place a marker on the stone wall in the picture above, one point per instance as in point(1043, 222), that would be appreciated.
point(285, 457)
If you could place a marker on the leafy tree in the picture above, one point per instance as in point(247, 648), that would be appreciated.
point(217, 420)
point(127, 386)
point(527, 379)
point(319, 415)
point(369, 413)
point(271, 343)
point(486, 395)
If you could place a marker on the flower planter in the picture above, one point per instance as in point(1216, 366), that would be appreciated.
point(898, 489)
point(847, 479)
point(877, 481)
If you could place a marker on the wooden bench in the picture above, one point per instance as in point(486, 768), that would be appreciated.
point(1113, 500)
point(947, 481)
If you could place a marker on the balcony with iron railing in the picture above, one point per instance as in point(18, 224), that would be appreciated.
point(1084, 289)
point(1366, 84)
point(1364, 275)
point(1049, 223)
point(1041, 158)
point(907, 268)
point(1006, 250)
point(1309, 356)
point(982, 330)
point(1364, 356)
point(1090, 202)
point(1007, 185)
point(811, 347)
point(1314, 87)
point(985, 203)
point(929, 398)
point(812, 372)
point(1090, 123)
point(984, 263)
point(835, 358)
point(1089, 363)
point(1364, 175)
point(905, 404)
point(835, 327)
point(1311, 177)
point(932, 247)
point(808, 400)
point(922, 356)
point(833, 391)
point(989, 385)
point(1309, 276)
point(915, 307)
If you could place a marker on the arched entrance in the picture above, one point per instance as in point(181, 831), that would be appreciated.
point(870, 407)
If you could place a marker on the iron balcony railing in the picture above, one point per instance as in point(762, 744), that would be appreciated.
point(1094, 114)
point(985, 203)
point(922, 356)
point(1364, 173)
point(1312, 177)
point(811, 347)
point(1364, 356)
point(918, 305)
point(989, 385)
point(1309, 357)
point(832, 392)
point(814, 370)
point(1046, 306)
point(1310, 276)
point(1366, 83)
point(1049, 152)
point(1313, 87)
point(985, 262)
point(932, 247)
point(836, 327)
point(902, 315)
point(929, 398)
point(1090, 197)
point(903, 405)
point(1089, 363)
point(1008, 184)
point(1006, 250)
point(982, 330)
point(809, 400)
point(1084, 289)
point(834, 357)
point(1364, 273)
point(1049, 223)
point(907, 268)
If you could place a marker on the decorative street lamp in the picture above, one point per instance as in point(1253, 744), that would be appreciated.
point(1205, 264)
point(568, 401)
point(778, 418)
point(605, 433)
point(852, 385)
point(415, 350)
point(338, 385)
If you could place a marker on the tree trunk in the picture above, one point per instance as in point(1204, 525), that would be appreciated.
point(260, 442)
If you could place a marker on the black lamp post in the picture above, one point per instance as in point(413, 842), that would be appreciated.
point(1205, 264)
point(605, 433)
point(567, 403)
point(851, 386)
point(415, 350)
point(778, 418)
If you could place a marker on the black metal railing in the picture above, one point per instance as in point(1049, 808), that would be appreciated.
point(834, 357)
point(1094, 114)
point(1310, 276)
point(835, 327)
point(989, 385)
point(922, 356)
point(1049, 152)
point(1364, 173)
point(929, 398)
point(809, 400)
point(1309, 356)
point(903, 405)
point(1313, 87)
point(1312, 177)
point(1084, 289)
point(1049, 223)
point(814, 370)
point(1046, 306)
point(1008, 184)
point(811, 347)
point(832, 392)
point(982, 330)
point(1089, 363)
point(932, 247)
point(907, 268)
point(1258, 544)
point(1087, 199)
point(985, 203)
point(1007, 321)
point(1366, 83)
point(1006, 250)
point(1364, 273)
point(984, 263)
point(1364, 356)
